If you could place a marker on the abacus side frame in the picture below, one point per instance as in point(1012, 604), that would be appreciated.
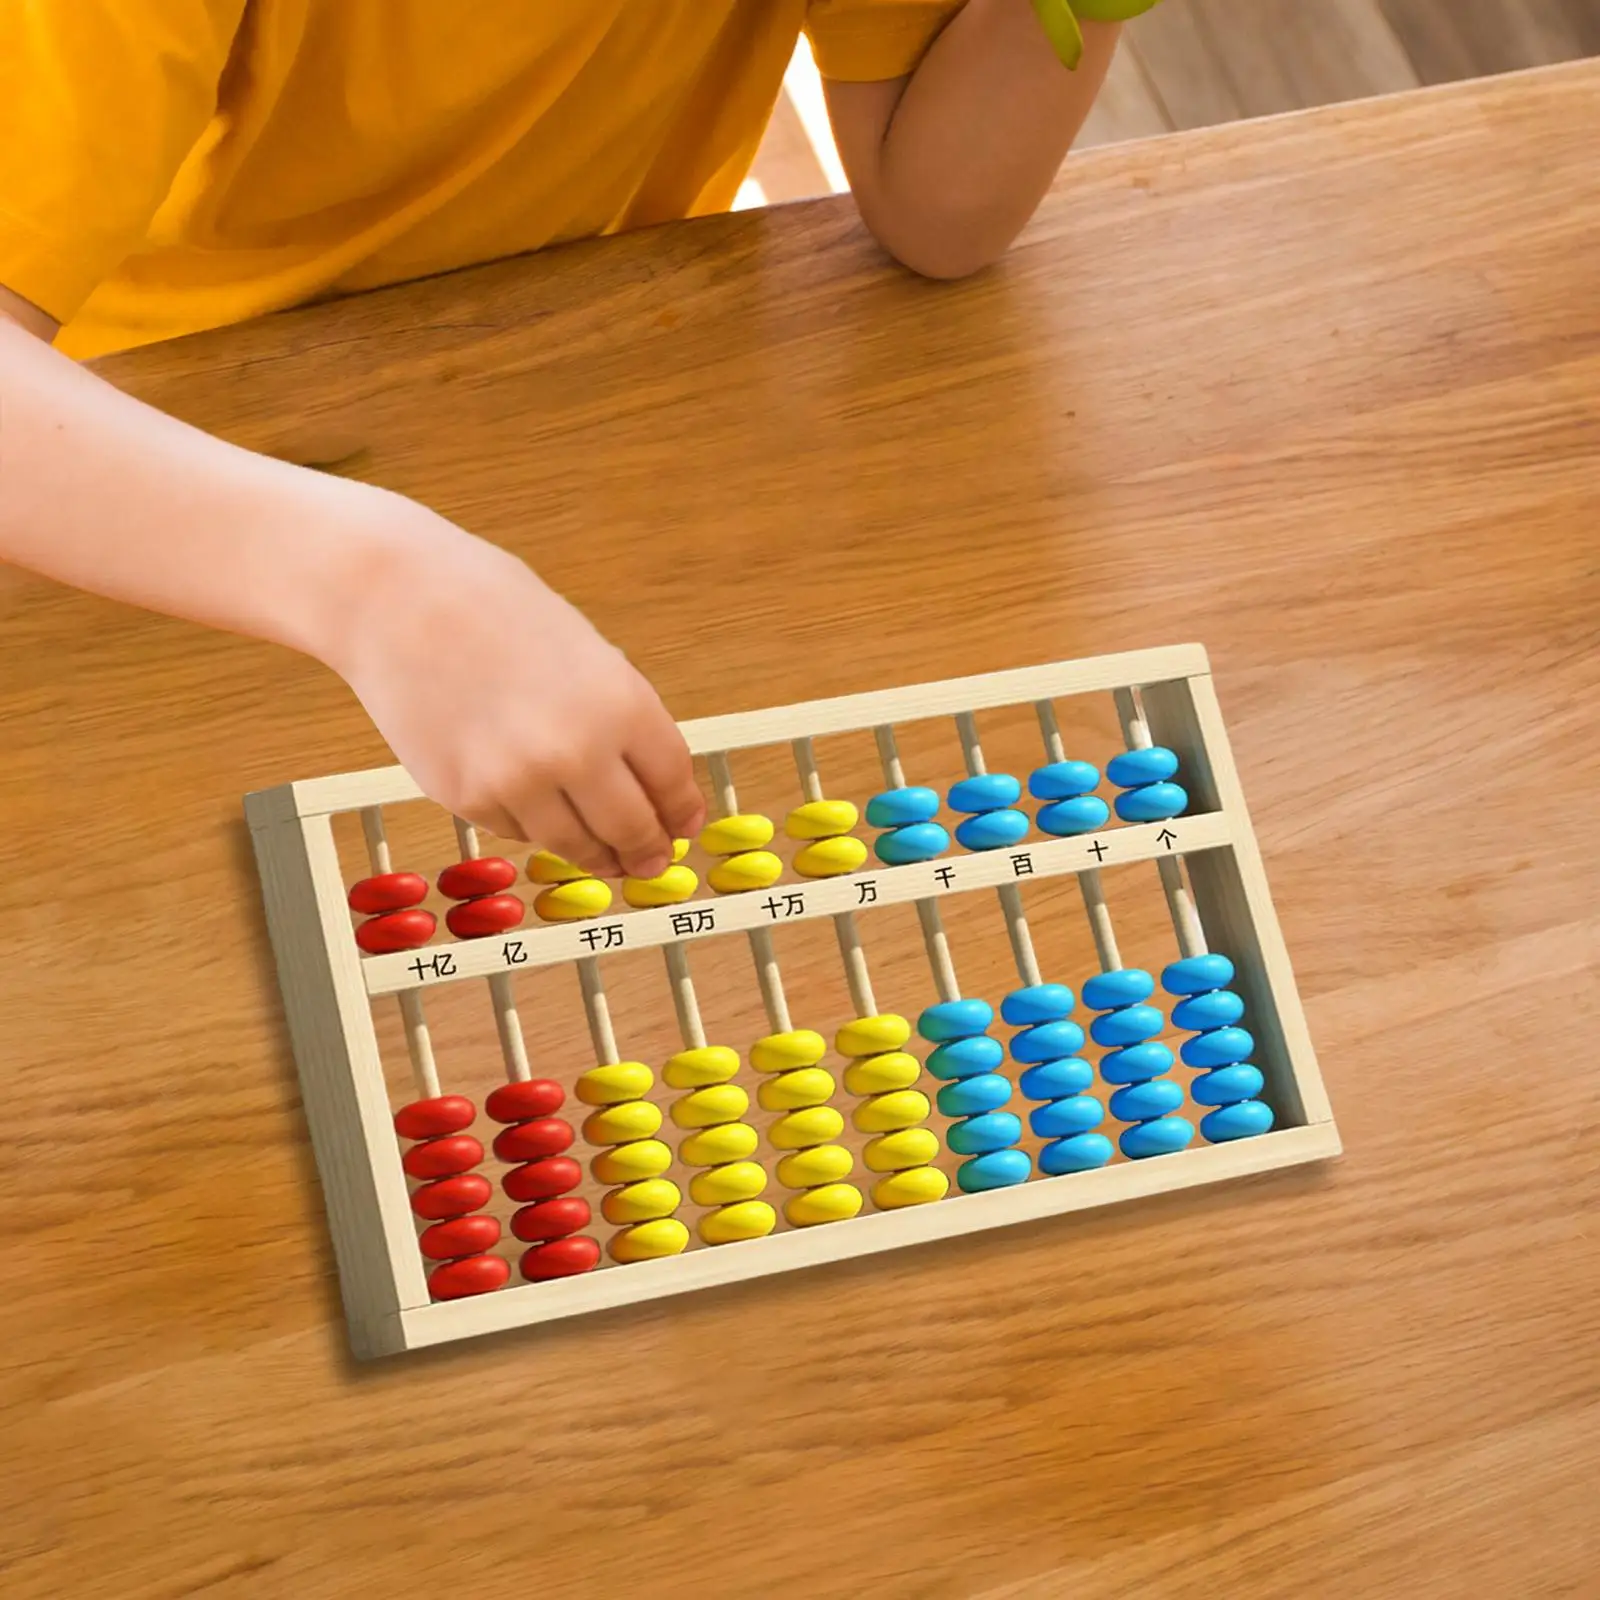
point(335, 1045)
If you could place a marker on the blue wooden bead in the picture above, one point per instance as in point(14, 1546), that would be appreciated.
point(1217, 1008)
point(895, 808)
point(1154, 803)
point(985, 791)
point(1144, 1102)
point(1000, 1169)
point(978, 1135)
point(971, 1097)
point(1163, 1138)
point(1197, 974)
point(1082, 1153)
point(1049, 1041)
point(955, 1019)
point(1064, 1118)
point(1242, 1121)
point(1132, 768)
point(1219, 1048)
point(994, 830)
point(918, 841)
point(1226, 1085)
point(1063, 780)
point(1105, 991)
point(1056, 1080)
point(1040, 1002)
point(1130, 1025)
point(966, 1058)
point(1068, 818)
point(1136, 1063)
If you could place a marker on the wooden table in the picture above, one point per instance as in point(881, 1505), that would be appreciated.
point(1323, 394)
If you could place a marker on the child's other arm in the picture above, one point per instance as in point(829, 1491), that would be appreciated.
point(949, 164)
point(506, 706)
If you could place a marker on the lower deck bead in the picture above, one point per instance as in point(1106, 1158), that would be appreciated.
point(560, 1258)
point(1245, 1120)
point(882, 1074)
point(915, 1186)
point(710, 1107)
point(471, 1275)
point(997, 1169)
point(1039, 1002)
point(966, 1058)
point(1063, 1119)
point(995, 1130)
point(1145, 1102)
point(1057, 1080)
point(912, 1147)
point(810, 1169)
point(795, 1091)
point(649, 1241)
point(430, 1119)
point(459, 1236)
point(523, 1101)
point(551, 1219)
point(746, 1219)
point(888, 1113)
point(1226, 1085)
point(710, 1147)
point(541, 1180)
point(727, 1185)
point(451, 1197)
point(833, 1202)
point(1166, 1137)
point(972, 1097)
point(799, 1129)
point(533, 1139)
point(442, 1158)
point(1083, 1152)
point(646, 1201)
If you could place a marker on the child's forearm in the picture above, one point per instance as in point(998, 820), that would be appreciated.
point(104, 493)
point(948, 173)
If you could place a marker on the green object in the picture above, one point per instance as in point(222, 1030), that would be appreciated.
point(1061, 26)
point(1112, 10)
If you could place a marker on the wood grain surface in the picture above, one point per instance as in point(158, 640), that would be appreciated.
point(1322, 393)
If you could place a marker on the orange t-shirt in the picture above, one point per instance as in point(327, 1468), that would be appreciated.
point(170, 165)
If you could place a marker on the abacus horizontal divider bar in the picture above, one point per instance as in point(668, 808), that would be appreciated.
point(868, 1234)
point(744, 730)
point(552, 944)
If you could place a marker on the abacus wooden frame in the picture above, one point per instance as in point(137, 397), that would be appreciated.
point(328, 990)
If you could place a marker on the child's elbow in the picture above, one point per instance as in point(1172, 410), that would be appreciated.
point(945, 254)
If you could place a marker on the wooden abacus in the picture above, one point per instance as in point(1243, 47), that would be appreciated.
point(1259, 1091)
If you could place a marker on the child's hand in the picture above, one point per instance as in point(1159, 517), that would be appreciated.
point(508, 707)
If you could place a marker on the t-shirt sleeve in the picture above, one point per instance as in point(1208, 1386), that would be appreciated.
point(99, 105)
point(865, 41)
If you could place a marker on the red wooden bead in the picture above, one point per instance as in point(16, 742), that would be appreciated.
point(517, 1102)
point(443, 1158)
point(399, 930)
point(541, 1179)
point(528, 1141)
point(460, 1236)
point(468, 879)
point(472, 1275)
point(390, 891)
point(560, 1258)
point(481, 919)
point(551, 1219)
point(428, 1119)
point(452, 1197)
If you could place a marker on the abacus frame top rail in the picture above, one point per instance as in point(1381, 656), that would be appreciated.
point(744, 730)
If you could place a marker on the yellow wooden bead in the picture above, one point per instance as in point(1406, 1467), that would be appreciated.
point(912, 1147)
point(711, 1147)
point(572, 902)
point(671, 888)
point(649, 1241)
point(739, 1180)
point(868, 1036)
point(694, 1069)
point(914, 1188)
point(755, 869)
point(894, 1069)
point(805, 1169)
point(889, 1113)
point(611, 1085)
point(782, 1052)
point(815, 1125)
point(728, 836)
point(705, 1108)
point(630, 1163)
point(751, 1219)
point(634, 1119)
point(545, 866)
point(834, 1202)
point(642, 1202)
point(830, 858)
point(792, 1091)
point(821, 819)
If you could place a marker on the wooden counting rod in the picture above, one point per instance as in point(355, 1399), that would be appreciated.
point(419, 1045)
point(513, 1045)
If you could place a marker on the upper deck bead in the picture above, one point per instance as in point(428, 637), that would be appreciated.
point(955, 1019)
point(389, 891)
point(918, 841)
point(545, 866)
point(486, 916)
point(1133, 768)
point(396, 930)
point(821, 819)
point(482, 875)
point(1217, 1008)
point(1065, 819)
point(993, 830)
point(965, 1058)
point(669, 888)
point(984, 791)
point(831, 858)
point(1063, 780)
point(899, 808)
point(1105, 991)
point(729, 836)
point(1047, 1041)
point(1156, 802)
point(755, 869)
point(573, 901)
point(429, 1119)
point(1040, 1002)
point(1197, 974)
